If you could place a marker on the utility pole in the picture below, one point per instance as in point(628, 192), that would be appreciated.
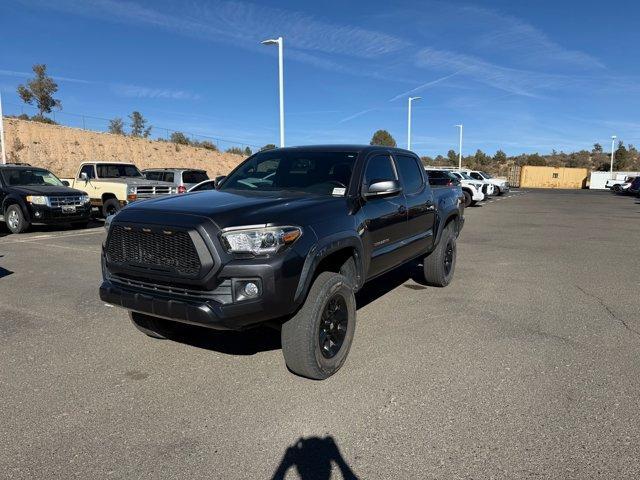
point(280, 43)
point(4, 145)
point(460, 148)
point(613, 142)
point(411, 99)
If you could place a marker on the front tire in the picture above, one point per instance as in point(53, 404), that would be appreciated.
point(15, 219)
point(467, 199)
point(440, 264)
point(497, 191)
point(110, 207)
point(317, 339)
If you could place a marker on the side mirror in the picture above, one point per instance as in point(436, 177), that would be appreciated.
point(381, 188)
point(66, 183)
point(219, 180)
point(83, 176)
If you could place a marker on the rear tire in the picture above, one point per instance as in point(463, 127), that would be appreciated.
point(15, 219)
point(317, 339)
point(151, 326)
point(467, 199)
point(110, 207)
point(439, 266)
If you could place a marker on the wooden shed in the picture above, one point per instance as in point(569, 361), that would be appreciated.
point(553, 177)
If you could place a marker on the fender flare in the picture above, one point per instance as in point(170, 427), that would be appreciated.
point(321, 250)
point(452, 215)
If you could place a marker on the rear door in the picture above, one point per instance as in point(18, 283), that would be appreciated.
point(384, 219)
point(418, 233)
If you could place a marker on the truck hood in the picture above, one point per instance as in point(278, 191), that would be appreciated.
point(227, 209)
point(49, 190)
point(134, 181)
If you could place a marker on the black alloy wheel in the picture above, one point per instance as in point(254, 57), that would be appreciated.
point(333, 326)
point(449, 256)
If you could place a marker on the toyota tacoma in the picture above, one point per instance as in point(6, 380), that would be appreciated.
point(286, 239)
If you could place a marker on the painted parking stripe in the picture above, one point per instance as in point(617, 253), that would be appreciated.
point(53, 235)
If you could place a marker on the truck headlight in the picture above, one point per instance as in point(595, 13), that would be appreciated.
point(259, 240)
point(38, 199)
point(132, 193)
point(84, 198)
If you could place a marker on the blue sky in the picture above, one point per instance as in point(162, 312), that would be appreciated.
point(522, 76)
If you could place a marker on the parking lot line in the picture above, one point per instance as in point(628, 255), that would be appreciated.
point(52, 245)
point(55, 235)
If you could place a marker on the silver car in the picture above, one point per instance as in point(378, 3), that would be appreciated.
point(182, 178)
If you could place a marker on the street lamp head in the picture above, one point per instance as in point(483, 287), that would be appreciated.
point(613, 137)
point(411, 99)
point(271, 41)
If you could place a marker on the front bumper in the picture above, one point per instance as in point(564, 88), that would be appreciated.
point(214, 299)
point(48, 215)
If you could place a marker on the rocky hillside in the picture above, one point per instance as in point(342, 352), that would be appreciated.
point(62, 149)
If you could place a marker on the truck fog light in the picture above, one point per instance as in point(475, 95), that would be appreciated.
point(251, 289)
point(38, 214)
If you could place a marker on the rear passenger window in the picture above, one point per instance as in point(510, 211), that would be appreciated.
point(194, 176)
point(379, 169)
point(168, 177)
point(410, 172)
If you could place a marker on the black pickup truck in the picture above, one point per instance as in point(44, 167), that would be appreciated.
point(286, 238)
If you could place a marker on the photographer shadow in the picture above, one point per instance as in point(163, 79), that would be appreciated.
point(314, 459)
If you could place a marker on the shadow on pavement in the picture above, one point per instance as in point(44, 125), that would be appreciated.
point(314, 458)
point(248, 342)
point(3, 271)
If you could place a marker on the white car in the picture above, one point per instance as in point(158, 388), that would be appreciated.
point(488, 187)
point(472, 189)
point(619, 184)
point(500, 185)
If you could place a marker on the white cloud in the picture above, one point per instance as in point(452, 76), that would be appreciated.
point(520, 82)
point(137, 91)
point(529, 45)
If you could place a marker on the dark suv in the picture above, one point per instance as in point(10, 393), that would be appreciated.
point(287, 238)
point(31, 195)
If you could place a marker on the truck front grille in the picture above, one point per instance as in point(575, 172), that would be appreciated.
point(151, 191)
point(160, 251)
point(66, 200)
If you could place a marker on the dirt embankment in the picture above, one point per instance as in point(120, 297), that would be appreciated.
point(62, 149)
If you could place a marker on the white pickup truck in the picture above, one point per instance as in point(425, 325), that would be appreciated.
point(112, 185)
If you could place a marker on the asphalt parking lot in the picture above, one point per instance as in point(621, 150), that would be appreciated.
point(528, 365)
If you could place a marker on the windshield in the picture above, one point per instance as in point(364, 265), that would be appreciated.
point(485, 175)
point(465, 175)
point(322, 173)
point(30, 177)
point(117, 170)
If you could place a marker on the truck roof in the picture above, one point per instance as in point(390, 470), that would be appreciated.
point(344, 147)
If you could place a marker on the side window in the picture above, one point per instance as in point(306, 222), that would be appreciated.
point(89, 170)
point(153, 175)
point(379, 169)
point(410, 172)
point(168, 177)
point(476, 175)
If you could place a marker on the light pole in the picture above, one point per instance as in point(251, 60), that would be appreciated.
point(411, 99)
point(4, 145)
point(279, 41)
point(613, 142)
point(460, 148)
